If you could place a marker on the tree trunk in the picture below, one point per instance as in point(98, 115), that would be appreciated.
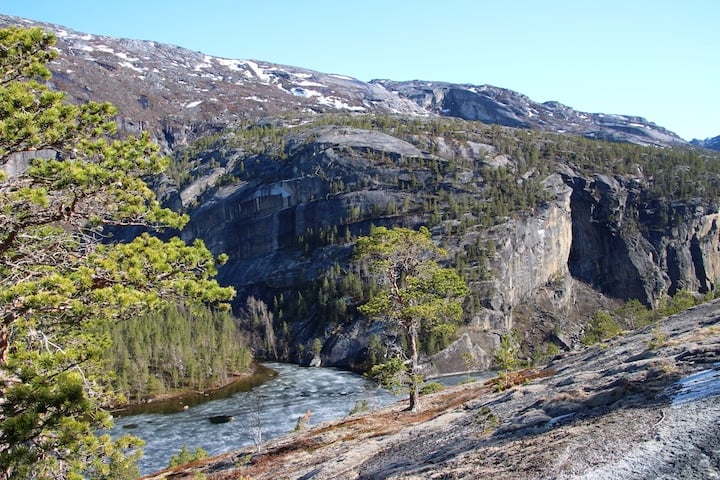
point(414, 369)
point(4, 344)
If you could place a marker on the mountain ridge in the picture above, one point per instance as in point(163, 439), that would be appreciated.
point(149, 80)
point(491, 104)
point(709, 143)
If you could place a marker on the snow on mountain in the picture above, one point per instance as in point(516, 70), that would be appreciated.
point(174, 91)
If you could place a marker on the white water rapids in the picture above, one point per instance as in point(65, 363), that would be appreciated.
point(272, 409)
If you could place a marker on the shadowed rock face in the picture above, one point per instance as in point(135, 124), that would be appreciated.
point(644, 257)
point(258, 220)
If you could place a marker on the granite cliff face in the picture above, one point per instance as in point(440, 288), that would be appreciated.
point(533, 250)
point(609, 233)
point(629, 248)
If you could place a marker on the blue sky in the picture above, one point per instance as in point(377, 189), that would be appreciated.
point(659, 59)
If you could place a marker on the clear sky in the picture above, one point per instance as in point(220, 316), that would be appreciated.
point(658, 59)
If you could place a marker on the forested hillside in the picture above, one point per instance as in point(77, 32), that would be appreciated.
point(292, 194)
point(174, 351)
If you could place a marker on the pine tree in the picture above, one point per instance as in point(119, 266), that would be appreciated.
point(63, 183)
point(416, 293)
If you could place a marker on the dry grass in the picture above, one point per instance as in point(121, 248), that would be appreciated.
point(384, 422)
point(510, 379)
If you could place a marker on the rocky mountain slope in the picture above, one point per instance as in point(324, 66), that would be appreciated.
point(491, 104)
point(281, 168)
point(711, 143)
point(179, 94)
point(645, 405)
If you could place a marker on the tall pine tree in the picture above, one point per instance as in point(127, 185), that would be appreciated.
point(416, 293)
point(62, 183)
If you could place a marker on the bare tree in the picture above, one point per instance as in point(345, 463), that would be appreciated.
point(262, 320)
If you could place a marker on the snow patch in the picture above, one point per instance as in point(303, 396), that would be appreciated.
point(259, 72)
point(206, 63)
point(125, 56)
point(337, 103)
point(193, 104)
point(212, 76)
point(231, 64)
point(104, 48)
point(302, 92)
point(697, 386)
point(306, 83)
point(132, 67)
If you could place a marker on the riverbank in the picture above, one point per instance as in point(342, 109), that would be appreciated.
point(184, 399)
point(631, 408)
point(267, 411)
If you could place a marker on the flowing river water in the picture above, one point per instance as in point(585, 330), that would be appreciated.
point(269, 409)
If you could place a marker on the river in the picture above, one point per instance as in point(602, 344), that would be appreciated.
point(271, 409)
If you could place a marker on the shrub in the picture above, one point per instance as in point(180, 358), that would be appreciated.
point(184, 456)
point(431, 387)
point(681, 301)
point(506, 356)
point(360, 406)
point(602, 326)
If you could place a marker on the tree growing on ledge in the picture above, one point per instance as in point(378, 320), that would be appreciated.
point(416, 293)
point(62, 183)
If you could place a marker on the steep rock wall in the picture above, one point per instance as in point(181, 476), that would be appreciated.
point(604, 231)
point(628, 246)
point(533, 250)
point(257, 221)
point(691, 250)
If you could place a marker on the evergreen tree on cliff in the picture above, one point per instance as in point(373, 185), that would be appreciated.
point(416, 292)
point(62, 183)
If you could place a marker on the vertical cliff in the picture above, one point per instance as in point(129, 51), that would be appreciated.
point(629, 245)
point(532, 249)
point(605, 232)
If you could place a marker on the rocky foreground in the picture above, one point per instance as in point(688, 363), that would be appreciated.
point(642, 406)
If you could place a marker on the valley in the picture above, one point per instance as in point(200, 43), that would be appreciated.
point(589, 244)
